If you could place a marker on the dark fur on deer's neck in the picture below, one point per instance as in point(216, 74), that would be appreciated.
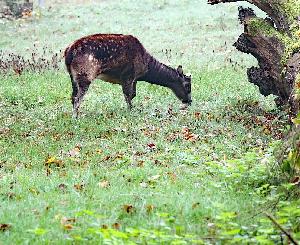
point(160, 74)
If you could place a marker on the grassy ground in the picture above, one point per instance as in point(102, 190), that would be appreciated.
point(143, 175)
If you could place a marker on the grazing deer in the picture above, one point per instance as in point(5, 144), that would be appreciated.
point(119, 59)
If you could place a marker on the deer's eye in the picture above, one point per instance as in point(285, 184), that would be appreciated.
point(188, 87)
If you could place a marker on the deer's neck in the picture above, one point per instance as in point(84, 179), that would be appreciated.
point(159, 74)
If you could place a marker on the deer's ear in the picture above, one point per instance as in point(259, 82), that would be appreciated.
point(180, 70)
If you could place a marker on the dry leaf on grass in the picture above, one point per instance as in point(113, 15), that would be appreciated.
point(151, 146)
point(65, 220)
point(296, 180)
point(75, 152)
point(143, 184)
point(128, 208)
point(149, 208)
point(99, 151)
point(79, 187)
point(53, 161)
point(188, 135)
point(68, 227)
point(62, 187)
point(195, 205)
point(116, 226)
point(104, 184)
point(172, 176)
point(67, 223)
point(154, 177)
point(5, 227)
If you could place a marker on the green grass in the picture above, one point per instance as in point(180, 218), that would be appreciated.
point(114, 146)
point(181, 171)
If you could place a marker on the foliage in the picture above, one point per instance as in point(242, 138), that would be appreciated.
point(290, 152)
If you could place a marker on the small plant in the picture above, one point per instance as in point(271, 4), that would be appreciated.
point(17, 64)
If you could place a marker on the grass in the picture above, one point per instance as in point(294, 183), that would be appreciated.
point(145, 175)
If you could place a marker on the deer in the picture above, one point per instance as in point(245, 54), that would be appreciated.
point(120, 59)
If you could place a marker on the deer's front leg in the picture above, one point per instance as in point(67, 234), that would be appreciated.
point(129, 91)
point(133, 89)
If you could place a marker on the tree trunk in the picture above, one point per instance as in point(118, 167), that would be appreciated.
point(275, 43)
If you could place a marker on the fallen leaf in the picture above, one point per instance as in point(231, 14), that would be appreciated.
point(141, 164)
point(173, 136)
point(99, 151)
point(195, 205)
point(104, 184)
point(56, 136)
point(128, 208)
point(266, 130)
point(74, 152)
point(104, 226)
point(5, 227)
point(62, 187)
point(53, 161)
point(106, 158)
point(188, 135)
point(116, 226)
point(149, 208)
point(154, 177)
point(197, 115)
point(151, 146)
point(79, 187)
point(65, 220)
point(172, 176)
point(68, 227)
point(119, 156)
point(4, 131)
point(144, 184)
point(296, 180)
point(34, 191)
point(62, 173)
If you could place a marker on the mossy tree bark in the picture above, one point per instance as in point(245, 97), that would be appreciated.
point(275, 43)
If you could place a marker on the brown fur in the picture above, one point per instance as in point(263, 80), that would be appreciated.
point(119, 59)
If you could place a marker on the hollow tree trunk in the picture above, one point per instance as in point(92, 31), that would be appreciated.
point(275, 43)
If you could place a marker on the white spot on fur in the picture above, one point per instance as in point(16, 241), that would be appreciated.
point(91, 57)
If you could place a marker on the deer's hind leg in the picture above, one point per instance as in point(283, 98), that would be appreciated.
point(129, 91)
point(80, 85)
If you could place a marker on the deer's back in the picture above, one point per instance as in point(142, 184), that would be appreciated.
point(104, 53)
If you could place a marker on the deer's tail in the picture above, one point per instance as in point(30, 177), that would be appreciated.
point(68, 57)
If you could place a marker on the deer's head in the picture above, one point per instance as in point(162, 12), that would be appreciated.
point(183, 87)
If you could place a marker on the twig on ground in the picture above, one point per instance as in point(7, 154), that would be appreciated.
point(289, 236)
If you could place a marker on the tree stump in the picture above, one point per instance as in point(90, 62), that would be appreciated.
point(275, 43)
